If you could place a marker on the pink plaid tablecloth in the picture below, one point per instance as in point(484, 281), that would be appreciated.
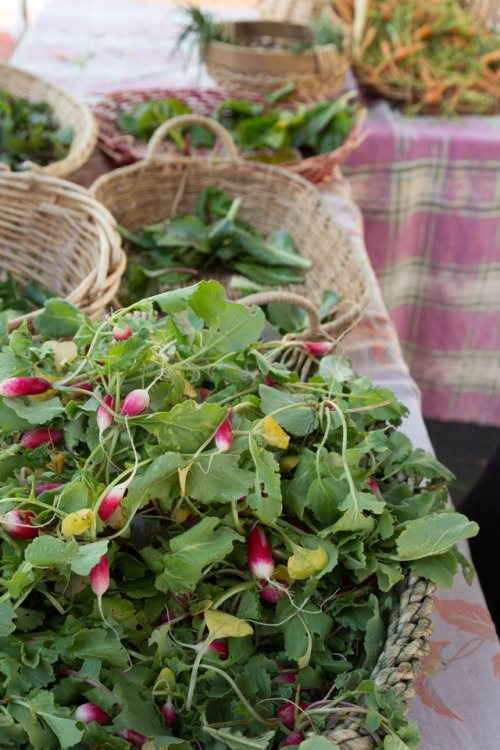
point(92, 47)
point(430, 197)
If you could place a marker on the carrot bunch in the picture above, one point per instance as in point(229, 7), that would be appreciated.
point(429, 55)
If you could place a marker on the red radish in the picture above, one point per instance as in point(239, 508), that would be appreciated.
point(99, 577)
point(13, 387)
point(317, 347)
point(246, 511)
point(372, 484)
point(260, 559)
point(17, 524)
point(204, 393)
point(135, 403)
point(121, 334)
point(83, 385)
point(88, 712)
point(289, 712)
point(169, 715)
point(286, 677)
point(40, 436)
point(135, 739)
point(272, 594)
point(104, 416)
point(269, 381)
point(221, 648)
point(294, 738)
point(111, 501)
point(223, 434)
point(46, 487)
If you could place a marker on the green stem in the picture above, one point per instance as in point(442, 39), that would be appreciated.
point(10, 451)
point(232, 592)
point(241, 696)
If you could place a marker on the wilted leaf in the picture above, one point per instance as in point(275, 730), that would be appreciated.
point(274, 434)
point(77, 523)
point(222, 625)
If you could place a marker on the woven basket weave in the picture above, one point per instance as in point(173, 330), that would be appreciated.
point(296, 11)
point(54, 232)
point(272, 199)
point(485, 12)
point(125, 149)
point(316, 72)
point(67, 110)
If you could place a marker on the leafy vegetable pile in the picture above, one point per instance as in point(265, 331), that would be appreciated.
point(15, 302)
point(174, 250)
point(434, 51)
point(274, 135)
point(198, 550)
point(30, 132)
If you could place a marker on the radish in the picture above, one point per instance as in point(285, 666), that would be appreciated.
point(83, 385)
point(135, 403)
point(122, 334)
point(111, 501)
point(269, 381)
point(289, 712)
point(204, 393)
point(169, 715)
point(294, 738)
point(17, 524)
point(46, 487)
point(221, 648)
point(88, 712)
point(135, 739)
point(13, 387)
point(104, 416)
point(272, 594)
point(40, 436)
point(99, 577)
point(260, 560)
point(317, 347)
point(286, 677)
point(223, 434)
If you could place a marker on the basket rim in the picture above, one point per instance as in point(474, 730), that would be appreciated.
point(127, 149)
point(100, 285)
point(78, 154)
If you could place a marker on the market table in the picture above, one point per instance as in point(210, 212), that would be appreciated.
point(93, 47)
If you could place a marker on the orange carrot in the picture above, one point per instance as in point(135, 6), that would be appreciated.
point(370, 35)
point(424, 31)
point(403, 52)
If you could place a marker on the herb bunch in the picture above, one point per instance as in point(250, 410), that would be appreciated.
point(238, 592)
point(30, 132)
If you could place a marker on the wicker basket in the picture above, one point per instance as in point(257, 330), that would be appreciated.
point(296, 11)
point(125, 149)
point(54, 232)
point(67, 109)
point(316, 72)
point(272, 200)
point(485, 12)
point(403, 95)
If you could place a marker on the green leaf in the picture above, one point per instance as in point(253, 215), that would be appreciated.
point(94, 642)
point(138, 708)
point(420, 463)
point(49, 550)
point(156, 481)
point(375, 635)
point(186, 426)
point(66, 730)
point(11, 365)
point(438, 568)
point(59, 318)
point(266, 499)
point(218, 478)
point(206, 299)
point(74, 496)
point(299, 419)
point(88, 556)
point(433, 535)
point(237, 328)
point(10, 421)
point(191, 551)
point(7, 617)
point(37, 412)
point(317, 742)
point(20, 339)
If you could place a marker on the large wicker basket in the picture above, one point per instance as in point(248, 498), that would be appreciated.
point(125, 149)
point(240, 66)
point(485, 12)
point(54, 232)
point(296, 11)
point(272, 199)
point(67, 109)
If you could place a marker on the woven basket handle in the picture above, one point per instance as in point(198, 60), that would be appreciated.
point(266, 298)
point(360, 12)
point(207, 122)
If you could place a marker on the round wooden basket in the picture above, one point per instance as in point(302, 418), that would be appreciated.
point(125, 149)
point(316, 72)
point(68, 111)
point(272, 199)
point(54, 232)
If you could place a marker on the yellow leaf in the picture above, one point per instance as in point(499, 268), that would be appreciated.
point(167, 677)
point(77, 523)
point(198, 607)
point(281, 573)
point(64, 353)
point(304, 562)
point(182, 514)
point(222, 625)
point(182, 478)
point(56, 463)
point(118, 518)
point(50, 379)
point(274, 434)
point(189, 391)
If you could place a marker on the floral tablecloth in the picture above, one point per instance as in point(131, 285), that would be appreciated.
point(92, 47)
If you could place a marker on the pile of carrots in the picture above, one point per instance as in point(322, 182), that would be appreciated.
point(427, 54)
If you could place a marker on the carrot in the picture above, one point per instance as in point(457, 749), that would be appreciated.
point(403, 52)
point(425, 31)
point(344, 10)
point(435, 96)
point(370, 35)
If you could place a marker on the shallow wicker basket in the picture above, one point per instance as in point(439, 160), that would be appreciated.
point(125, 149)
point(272, 199)
point(54, 232)
point(67, 109)
point(318, 71)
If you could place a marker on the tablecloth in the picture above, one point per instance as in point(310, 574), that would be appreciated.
point(94, 46)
